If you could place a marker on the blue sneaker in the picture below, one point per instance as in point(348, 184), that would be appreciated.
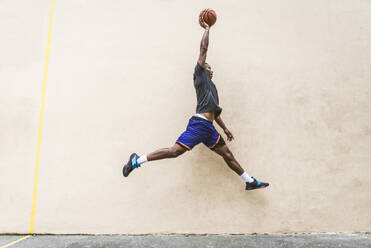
point(131, 165)
point(256, 185)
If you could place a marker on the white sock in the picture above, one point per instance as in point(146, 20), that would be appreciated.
point(142, 159)
point(246, 178)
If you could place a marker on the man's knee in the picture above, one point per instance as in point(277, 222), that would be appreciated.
point(175, 152)
point(226, 154)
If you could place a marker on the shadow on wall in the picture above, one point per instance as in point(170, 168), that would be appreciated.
point(211, 185)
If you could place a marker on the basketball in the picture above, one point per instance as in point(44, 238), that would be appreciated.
point(209, 16)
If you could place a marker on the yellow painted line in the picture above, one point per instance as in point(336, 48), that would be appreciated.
point(43, 92)
point(16, 241)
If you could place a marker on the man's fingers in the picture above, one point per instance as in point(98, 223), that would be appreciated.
point(201, 20)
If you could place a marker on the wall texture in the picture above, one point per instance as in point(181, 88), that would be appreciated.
point(294, 79)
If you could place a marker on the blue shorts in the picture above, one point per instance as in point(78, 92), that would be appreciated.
point(200, 130)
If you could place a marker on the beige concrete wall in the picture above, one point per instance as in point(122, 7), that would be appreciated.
point(295, 84)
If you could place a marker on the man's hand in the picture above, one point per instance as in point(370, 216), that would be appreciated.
point(203, 23)
point(229, 134)
point(222, 125)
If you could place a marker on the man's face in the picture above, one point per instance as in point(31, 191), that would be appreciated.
point(208, 69)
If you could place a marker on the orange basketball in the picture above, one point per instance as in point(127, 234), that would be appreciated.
point(209, 16)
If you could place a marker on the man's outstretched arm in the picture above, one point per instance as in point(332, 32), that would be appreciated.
point(225, 129)
point(204, 43)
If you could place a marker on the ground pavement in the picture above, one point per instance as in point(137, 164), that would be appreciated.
point(358, 240)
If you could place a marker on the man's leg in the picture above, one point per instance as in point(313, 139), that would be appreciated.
point(170, 152)
point(135, 161)
point(229, 159)
point(251, 183)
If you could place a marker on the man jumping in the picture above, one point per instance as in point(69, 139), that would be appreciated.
point(200, 127)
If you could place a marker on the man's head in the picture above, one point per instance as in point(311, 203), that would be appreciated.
point(208, 69)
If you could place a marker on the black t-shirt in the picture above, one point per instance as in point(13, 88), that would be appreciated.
point(207, 94)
